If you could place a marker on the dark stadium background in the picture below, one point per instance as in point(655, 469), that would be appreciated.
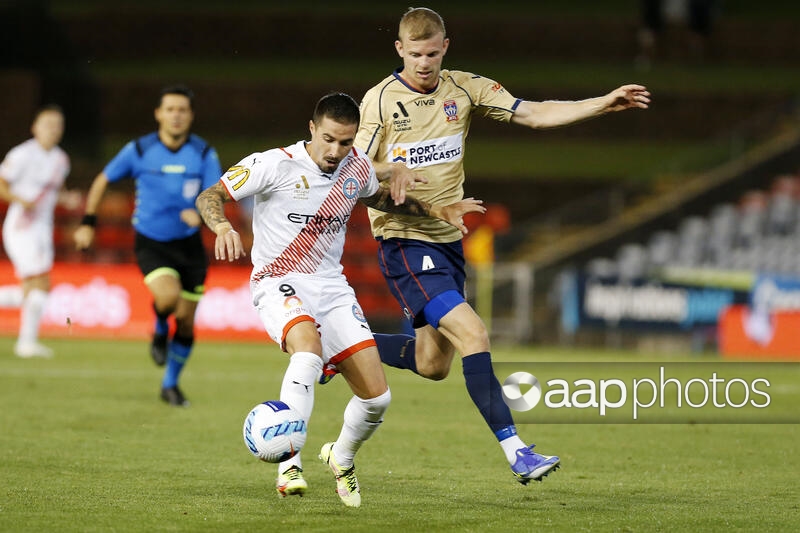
point(258, 67)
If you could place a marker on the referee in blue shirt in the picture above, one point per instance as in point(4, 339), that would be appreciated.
point(170, 167)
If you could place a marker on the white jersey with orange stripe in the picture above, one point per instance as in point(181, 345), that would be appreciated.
point(300, 213)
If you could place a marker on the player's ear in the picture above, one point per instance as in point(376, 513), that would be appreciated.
point(311, 127)
point(445, 44)
point(398, 45)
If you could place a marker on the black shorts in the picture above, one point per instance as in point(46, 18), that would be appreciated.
point(186, 257)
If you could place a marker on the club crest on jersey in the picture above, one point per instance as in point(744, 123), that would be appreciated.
point(451, 110)
point(350, 188)
point(359, 314)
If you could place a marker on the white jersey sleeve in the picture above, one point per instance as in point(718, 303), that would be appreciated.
point(372, 185)
point(251, 175)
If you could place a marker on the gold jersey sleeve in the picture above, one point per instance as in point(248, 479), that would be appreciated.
point(427, 132)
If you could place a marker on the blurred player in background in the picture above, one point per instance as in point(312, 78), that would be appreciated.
point(304, 194)
point(418, 118)
point(31, 178)
point(171, 166)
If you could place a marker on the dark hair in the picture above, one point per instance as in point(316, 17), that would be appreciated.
point(337, 106)
point(176, 89)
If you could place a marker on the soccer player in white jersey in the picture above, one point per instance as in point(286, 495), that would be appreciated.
point(414, 127)
point(31, 178)
point(304, 194)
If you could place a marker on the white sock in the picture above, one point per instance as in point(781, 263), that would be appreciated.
point(11, 296)
point(361, 419)
point(31, 315)
point(297, 390)
point(510, 447)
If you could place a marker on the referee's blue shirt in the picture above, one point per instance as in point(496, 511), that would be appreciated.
point(167, 182)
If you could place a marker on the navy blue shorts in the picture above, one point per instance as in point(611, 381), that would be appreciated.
point(419, 271)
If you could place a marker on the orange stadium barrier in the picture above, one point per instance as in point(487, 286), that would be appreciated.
point(110, 300)
point(781, 342)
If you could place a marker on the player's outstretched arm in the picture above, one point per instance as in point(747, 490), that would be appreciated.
point(84, 235)
point(228, 244)
point(551, 114)
point(451, 213)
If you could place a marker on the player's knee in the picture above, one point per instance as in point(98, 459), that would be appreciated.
point(438, 374)
point(475, 339)
point(433, 358)
point(166, 303)
point(466, 332)
point(434, 373)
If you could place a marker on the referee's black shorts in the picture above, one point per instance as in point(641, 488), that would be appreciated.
point(184, 257)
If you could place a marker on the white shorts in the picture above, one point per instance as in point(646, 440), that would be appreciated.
point(328, 302)
point(29, 247)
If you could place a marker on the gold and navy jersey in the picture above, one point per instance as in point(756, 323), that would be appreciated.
point(427, 132)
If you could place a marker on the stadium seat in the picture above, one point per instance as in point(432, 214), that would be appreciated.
point(781, 213)
point(602, 267)
point(752, 208)
point(661, 248)
point(760, 233)
point(632, 262)
point(692, 241)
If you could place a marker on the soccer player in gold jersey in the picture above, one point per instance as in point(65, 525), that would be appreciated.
point(414, 125)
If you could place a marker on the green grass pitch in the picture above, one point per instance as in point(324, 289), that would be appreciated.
point(85, 445)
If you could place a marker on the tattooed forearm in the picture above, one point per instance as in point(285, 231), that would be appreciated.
point(209, 205)
point(382, 201)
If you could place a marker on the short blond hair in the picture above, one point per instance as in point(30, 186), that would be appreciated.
point(420, 23)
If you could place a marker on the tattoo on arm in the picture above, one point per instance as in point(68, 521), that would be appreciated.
point(382, 201)
point(210, 205)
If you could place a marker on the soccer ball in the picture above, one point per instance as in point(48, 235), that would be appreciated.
point(274, 432)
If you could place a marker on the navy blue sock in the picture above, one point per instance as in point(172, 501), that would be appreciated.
point(162, 326)
point(485, 391)
point(179, 350)
point(397, 350)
